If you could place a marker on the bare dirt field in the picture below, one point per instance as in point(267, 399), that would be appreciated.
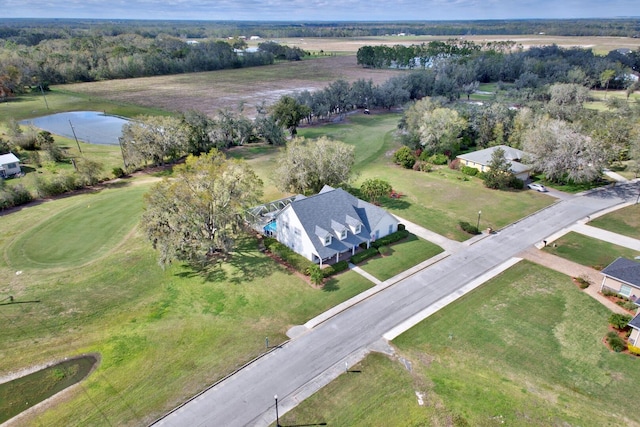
point(211, 91)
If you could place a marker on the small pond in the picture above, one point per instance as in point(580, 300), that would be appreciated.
point(22, 393)
point(92, 127)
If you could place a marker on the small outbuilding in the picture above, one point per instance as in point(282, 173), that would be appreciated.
point(9, 165)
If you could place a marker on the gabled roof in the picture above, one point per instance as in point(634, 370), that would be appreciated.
point(483, 157)
point(8, 158)
point(331, 211)
point(635, 322)
point(624, 270)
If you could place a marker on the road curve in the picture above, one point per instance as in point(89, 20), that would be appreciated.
point(247, 397)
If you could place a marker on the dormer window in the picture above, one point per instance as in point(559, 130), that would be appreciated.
point(343, 234)
point(357, 229)
point(327, 240)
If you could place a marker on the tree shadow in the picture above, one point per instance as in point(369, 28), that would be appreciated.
point(397, 204)
point(331, 285)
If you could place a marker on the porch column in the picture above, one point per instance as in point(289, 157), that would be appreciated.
point(368, 243)
point(604, 279)
point(353, 250)
point(337, 256)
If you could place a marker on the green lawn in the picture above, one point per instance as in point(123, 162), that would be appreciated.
point(163, 335)
point(588, 251)
point(624, 221)
point(403, 255)
point(525, 349)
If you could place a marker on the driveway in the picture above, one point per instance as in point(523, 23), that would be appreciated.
point(313, 359)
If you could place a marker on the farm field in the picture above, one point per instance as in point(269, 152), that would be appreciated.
point(524, 349)
point(162, 335)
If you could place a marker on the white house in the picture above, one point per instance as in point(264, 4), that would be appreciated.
point(480, 160)
point(9, 165)
point(330, 223)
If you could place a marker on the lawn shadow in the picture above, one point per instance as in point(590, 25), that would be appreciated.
point(331, 285)
point(212, 272)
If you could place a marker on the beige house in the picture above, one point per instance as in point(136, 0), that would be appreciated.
point(622, 276)
point(480, 160)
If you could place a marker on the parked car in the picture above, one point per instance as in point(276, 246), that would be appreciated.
point(538, 187)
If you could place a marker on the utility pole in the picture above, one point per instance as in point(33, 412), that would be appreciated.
point(74, 135)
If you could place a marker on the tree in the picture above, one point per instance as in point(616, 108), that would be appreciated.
point(440, 130)
point(305, 166)
point(605, 78)
point(288, 113)
point(499, 175)
point(199, 212)
point(470, 88)
point(404, 157)
point(563, 154)
point(315, 274)
point(374, 188)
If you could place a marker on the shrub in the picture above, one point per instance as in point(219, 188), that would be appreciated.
point(616, 343)
point(609, 293)
point(391, 238)
point(516, 184)
point(454, 164)
point(384, 250)
point(404, 157)
point(619, 321)
point(401, 227)
point(118, 172)
point(296, 261)
point(627, 305)
point(468, 170)
point(366, 254)
point(438, 159)
point(468, 228)
point(583, 282)
point(340, 266)
point(316, 275)
point(422, 166)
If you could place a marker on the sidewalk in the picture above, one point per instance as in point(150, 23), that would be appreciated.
point(572, 269)
point(607, 236)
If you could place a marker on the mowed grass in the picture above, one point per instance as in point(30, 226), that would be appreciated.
point(525, 349)
point(625, 221)
point(402, 256)
point(163, 335)
point(588, 251)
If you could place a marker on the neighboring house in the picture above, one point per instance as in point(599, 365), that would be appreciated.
point(623, 277)
point(634, 338)
point(480, 160)
point(330, 223)
point(9, 165)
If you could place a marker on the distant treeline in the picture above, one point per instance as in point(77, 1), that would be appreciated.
point(33, 31)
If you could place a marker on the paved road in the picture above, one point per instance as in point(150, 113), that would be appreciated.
point(246, 398)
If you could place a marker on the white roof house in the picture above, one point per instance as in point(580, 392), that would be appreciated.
point(324, 226)
point(9, 165)
point(480, 160)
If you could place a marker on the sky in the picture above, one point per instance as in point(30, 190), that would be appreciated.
point(319, 10)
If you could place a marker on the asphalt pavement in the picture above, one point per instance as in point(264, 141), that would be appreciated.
point(312, 359)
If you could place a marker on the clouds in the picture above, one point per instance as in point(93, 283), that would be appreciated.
point(317, 10)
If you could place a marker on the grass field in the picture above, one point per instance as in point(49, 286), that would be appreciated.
point(588, 251)
point(525, 349)
point(162, 335)
point(625, 221)
point(402, 256)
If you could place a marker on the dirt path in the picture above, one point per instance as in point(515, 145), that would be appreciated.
point(572, 269)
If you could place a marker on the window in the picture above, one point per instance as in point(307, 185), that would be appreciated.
point(358, 229)
point(343, 234)
point(625, 290)
point(327, 240)
point(390, 228)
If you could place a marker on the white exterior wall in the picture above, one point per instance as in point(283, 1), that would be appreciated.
point(11, 171)
point(383, 226)
point(634, 338)
point(299, 243)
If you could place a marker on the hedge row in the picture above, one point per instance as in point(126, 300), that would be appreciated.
point(391, 238)
point(366, 254)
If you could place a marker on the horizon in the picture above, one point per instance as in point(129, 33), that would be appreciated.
point(319, 10)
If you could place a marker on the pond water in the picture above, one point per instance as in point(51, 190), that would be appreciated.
point(22, 393)
point(92, 127)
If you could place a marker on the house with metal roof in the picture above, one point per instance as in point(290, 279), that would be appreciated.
point(331, 223)
point(9, 165)
point(480, 160)
point(623, 277)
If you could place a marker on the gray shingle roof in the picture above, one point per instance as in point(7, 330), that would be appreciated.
point(332, 210)
point(483, 157)
point(625, 270)
point(635, 322)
